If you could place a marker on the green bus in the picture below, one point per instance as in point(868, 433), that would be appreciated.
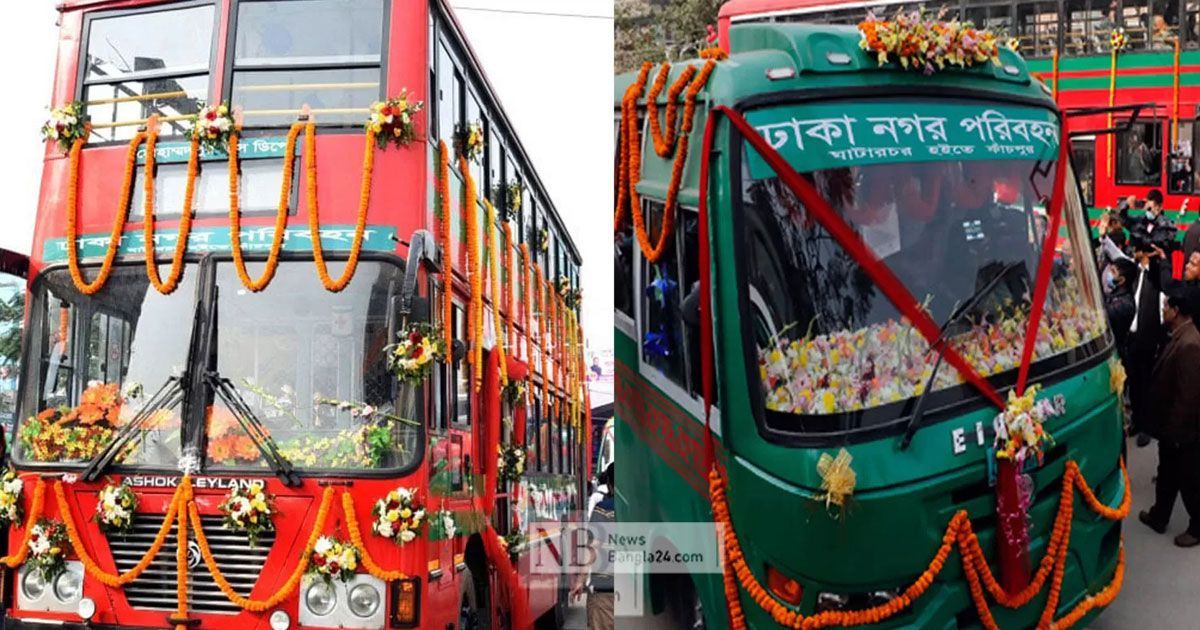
point(810, 356)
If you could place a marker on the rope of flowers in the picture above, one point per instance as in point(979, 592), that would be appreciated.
point(526, 303)
point(628, 111)
point(541, 285)
point(511, 281)
point(664, 143)
point(185, 217)
point(470, 215)
point(443, 194)
point(356, 539)
point(314, 221)
point(35, 512)
point(958, 533)
point(181, 561)
point(293, 581)
point(89, 564)
point(281, 212)
point(633, 163)
point(493, 248)
point(114, 238)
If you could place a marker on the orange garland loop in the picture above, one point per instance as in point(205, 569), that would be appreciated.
point(314, 222)
point(185, 217)
point(35, 512)
point(958, 533)
point(281, 213)
point(493, 246)
point(114, 238)
point(443, 191)
point(470, 214)
point(368, 562)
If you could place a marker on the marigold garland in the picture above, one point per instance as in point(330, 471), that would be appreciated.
point(314, 221)
point(293, 581)
point(443, 194)
point(509, 304)
point(526, 303)
point(958, 534)
point(664, 143)
point(281, 212)
point(36, 504)
point(470, 215)
point(114, 238)
point(356, 539)
point(493, 247)
point(631, 159)
point(628, 111)
point(181, 560)
point(540, 287)
point(185, 216)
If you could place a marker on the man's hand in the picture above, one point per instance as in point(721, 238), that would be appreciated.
point(1158, 252)
point(578, 589)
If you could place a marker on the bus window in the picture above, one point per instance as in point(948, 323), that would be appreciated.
point(447, 97)
point(461, 395)
point(1083, 157)
point(474, 115)
point(311, 365)
point(101, 358)
point(1089, 25)
point(543, 445)
point(661, 330)
point(323, 53)
point(146, 63)
point(1037, 24)
point(531, 421)
point(1181, 173)
point(12, 317)
point(1138, 153)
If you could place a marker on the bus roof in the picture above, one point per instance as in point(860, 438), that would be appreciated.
point(811, 51)
point(736, 11)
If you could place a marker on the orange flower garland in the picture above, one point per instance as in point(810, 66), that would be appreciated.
point(526, 302)
point(314, 221)
point(631, 160)
point(663, 144)
point(470, 214)
point(89, 564)
point(958, 533)
point(35, 512)
point(443, 190)
point(281, 213)
point(114, 238)
point(181, 563)
point(356, 539)
point(628, 112)
point(508, 286)
point(185, 217)
point(541, 287)
point(293, 582)
point(493, 252)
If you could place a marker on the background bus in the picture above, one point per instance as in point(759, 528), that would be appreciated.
point(309, 363)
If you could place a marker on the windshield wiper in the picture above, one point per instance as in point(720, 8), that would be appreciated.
point(169, 394)
point(939, 346)
point(254, 427)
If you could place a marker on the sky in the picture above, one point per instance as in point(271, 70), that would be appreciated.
point(549, 61)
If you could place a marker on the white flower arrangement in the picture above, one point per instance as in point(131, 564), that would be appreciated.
point(510, 465)
point(213, 125)
point(249, 509)
point(332, 558)
point(399, 516)
point(11, 508)
point(65, 125)
point(116, 508)
point(392, 121)
point(412, 358)
point(48, 548)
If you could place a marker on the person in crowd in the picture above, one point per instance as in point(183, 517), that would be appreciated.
point(597, 578)
point(1118, 300)
point(1191, 240)
point(1175, 400)
point(1145, 336)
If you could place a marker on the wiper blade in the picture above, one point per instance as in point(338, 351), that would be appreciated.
point(939, 346)
point(254, 428)
point(169, 394)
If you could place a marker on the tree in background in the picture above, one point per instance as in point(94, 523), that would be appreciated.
point(661, 30)
point(12, 312)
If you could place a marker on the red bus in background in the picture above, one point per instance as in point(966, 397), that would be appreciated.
point(1159, 67)
point(264, 380)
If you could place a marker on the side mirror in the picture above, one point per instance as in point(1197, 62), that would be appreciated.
point(689, 308)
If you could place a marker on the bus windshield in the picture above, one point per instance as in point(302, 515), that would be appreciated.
point(309, 364)
point(951, 196)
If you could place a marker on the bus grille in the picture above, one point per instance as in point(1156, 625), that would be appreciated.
point(155, 588)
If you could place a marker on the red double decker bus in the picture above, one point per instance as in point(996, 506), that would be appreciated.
point(226, 415)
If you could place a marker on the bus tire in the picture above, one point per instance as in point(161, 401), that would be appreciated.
point(469, 615)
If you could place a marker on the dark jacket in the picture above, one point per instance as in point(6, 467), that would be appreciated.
point(1191, 240)
point(1121, 310)
point(1175, 389)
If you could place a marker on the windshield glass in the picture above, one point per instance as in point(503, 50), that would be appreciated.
point(312, 366)
point(93, 361)
point(950, 195)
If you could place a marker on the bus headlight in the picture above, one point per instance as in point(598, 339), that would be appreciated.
point(67, 586)
point(364, 600)
point(33, 585)
point(832, 601)
point(280, 620)
point(320, 598)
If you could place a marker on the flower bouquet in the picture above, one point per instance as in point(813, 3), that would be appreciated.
point(249, 509)
point(48, 548)
point(65, 125)
point(212, 126)
point(116, 508)
point(924, 44)
point(399, 516)
point(11, 509)
point(332, 558)
point(392, 120)
point(511, 543)
point(469, 141)
point(513, 392)
point(1019, 431)
point(1118, 40)
point(73, 433)
point(511, 462)
point(411, 359)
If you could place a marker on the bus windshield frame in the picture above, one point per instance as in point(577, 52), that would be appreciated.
point(868, 422)
point(272, 403)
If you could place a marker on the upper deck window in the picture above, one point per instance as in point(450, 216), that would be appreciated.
point(143, 63)
point(327, 54)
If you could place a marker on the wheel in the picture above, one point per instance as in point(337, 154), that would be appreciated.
point(468, 608)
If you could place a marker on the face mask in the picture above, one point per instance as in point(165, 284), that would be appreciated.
point(1110, 282)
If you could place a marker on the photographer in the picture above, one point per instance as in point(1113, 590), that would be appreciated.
point(1146, 333)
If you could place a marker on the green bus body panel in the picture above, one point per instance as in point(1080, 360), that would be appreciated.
point(903, 500)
